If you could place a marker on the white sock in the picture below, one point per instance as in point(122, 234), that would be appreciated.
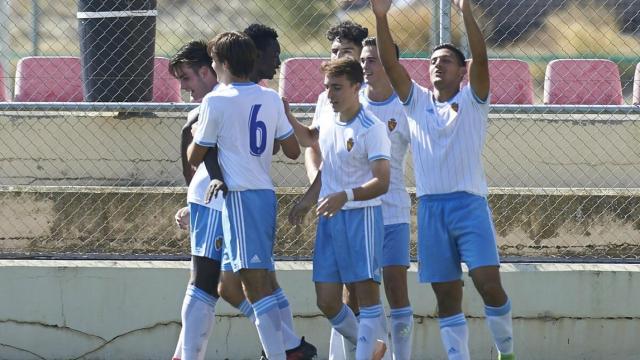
point(198, 315)
point(247, 310)
point(346, 324)
point(401, 332)
point(177, 355)
point(385, 336)
point(291, 340)
point(269, 327)
point(336, 346)
point(499, 323)
point(455, 337)
point(369, 330)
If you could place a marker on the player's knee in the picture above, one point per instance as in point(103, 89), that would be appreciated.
point(491, 292)
point(329, 307)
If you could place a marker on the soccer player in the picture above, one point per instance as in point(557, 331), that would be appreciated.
point(192, 66)
point(448, 128)
point(242, 120)
point(230, 287)
point(379, 98)
point(355, 172)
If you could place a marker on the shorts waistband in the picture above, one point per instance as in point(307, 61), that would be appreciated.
point(448, 196)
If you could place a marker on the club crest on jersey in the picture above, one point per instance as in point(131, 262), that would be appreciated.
point(349, 144)
point(391, 124)
point(455, 107)
point(218, 243)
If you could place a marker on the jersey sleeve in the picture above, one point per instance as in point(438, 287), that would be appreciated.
point(416, 96)
point(283, 127)
point(207, 133)
point(377, 142)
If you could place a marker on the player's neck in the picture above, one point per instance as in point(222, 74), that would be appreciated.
point(379, 91)
point(445, 94)
point(349, 113)
point(231, 79)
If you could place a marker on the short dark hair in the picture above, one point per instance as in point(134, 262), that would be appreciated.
point(193, 54)
point(371, 41)
point(348, 30)
point(346, 66)
point(236, 49)
point(261, 34)
point(456, 51)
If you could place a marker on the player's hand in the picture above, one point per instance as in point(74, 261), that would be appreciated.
point(331, 204)
point(380, 7)
point(215, 186)
point(182, 218)
point(298, 211)
point(194, 128)
point(285, 102)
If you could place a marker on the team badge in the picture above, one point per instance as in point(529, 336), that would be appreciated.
point(218, 243)
point(454, 107)
point(391, 124)
point(349, 144)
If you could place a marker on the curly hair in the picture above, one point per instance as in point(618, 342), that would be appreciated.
point(261, 34)
point(348, 30)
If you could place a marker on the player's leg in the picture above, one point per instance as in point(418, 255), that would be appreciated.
point(198, 309)
point(479, 251)
point(372, 318)
point(339, 349)
point(328, 283)
point(440, 266)
point(249, 227)
point(395, 261)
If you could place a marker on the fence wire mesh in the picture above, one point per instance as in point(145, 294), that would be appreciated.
point(82, 177)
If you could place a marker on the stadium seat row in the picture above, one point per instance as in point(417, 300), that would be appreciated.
point(59, 79)
point(567, 81)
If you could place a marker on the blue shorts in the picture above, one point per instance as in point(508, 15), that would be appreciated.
point(249, 223)
point(452, 228)
point(395, 247)
point(205, 230)
point(349, 246)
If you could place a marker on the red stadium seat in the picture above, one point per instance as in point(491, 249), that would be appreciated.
point(418, 69)
point(582, 82)
point(166, 88)
point(49, 79)
point(3, 86)
point(510, 81)
point(636, 86)
point(301, 80)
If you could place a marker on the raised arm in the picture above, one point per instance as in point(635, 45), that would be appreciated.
point(479, 70)
point(398, 75)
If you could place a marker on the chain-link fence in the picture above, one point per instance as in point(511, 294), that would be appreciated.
point(84, 177)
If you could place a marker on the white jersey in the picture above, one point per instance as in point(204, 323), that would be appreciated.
point(347, 150)
point(200, 181)
point(447, 140)
point(323, 109)
point(242, 120)
point(396, 204)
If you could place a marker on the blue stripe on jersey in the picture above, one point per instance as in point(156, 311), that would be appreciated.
point(250, 83)
point(285, 135)
point(364, 120)
point(413, 85)
point(378, 157)
point(206, 143)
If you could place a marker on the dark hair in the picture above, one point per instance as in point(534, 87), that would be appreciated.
point(236, 49)
point(261, 34)
point(346, 66)
point(456, 51)
point(193, 54)
point(348, 30)
point(371, 41)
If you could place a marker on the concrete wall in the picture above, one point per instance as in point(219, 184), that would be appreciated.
point(568, 151)
point(117, 220)
point(130, 310)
